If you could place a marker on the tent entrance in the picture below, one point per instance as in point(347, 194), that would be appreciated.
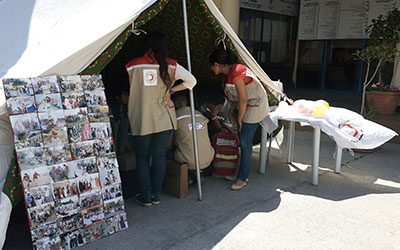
point(167, 17)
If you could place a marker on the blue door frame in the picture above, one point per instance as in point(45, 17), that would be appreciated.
point(325, 64)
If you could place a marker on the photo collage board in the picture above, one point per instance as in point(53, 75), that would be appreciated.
point(65, 151)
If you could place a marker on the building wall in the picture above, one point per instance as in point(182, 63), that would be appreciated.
point(231, 11)
point(272, 38)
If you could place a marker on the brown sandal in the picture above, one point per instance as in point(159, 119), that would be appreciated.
point(238, 185)
point(233, 178)
point(230, 178)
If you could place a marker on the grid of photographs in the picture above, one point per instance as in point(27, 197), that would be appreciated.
point(65, 152)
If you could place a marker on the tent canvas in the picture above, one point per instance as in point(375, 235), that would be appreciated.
point(72, 37)
point(68, 36)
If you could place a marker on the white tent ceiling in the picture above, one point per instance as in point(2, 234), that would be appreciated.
point(64, 36)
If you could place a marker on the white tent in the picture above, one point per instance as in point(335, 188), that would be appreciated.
point(63, 37)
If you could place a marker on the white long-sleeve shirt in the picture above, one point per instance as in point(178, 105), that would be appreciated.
point(189, 81)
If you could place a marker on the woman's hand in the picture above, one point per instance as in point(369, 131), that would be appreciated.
point(215, 109)
point(166, 99)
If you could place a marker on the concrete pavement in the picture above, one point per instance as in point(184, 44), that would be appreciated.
point(357, 209)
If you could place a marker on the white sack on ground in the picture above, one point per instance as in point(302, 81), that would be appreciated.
point(5, 212)
point(6, 147)
point(6, 151)
point(347, 128)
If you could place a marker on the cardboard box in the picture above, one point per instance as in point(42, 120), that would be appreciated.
point(176, 179)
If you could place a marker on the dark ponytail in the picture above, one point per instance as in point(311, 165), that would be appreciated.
point(223, 57)
point(155, 42)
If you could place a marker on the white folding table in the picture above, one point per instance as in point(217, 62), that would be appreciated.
point(316, 149)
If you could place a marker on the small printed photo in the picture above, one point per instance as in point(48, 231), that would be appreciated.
point(83, 149)
point(42, 214)
point(52, 119)
point(91, 216)
point(100, 130)
point(28, 140)
point(29, 158)
point(55, 137)
point(104, 146)
point(88, 183)
point(98, 114)
point(35, 177)
point(83, 167)
point(73, 100)
point(76, 116)
point(111, 192)
point(21, 104)
point(17, 87)
point(58, 154)
point(81, 132)
point(109, 177)
point(67, 206)
point(95, 231)
point(45, 230)
point(113, 207)
point(38, 196)
point(117, 223)
point(48, 102)
point(107, 161)
point(72, 240)
point(64, 189)
point(45, 85)
point(24, 123)
point(92, 82)
point(70, 83)
point(59, 172)
point(95, 98)
point(48, 243)
point(91, 199)
point(70, 223)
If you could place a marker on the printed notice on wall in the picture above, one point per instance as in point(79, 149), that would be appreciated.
point(283, 7)
point(339, 19)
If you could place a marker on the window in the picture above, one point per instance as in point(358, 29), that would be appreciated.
point(271, 39)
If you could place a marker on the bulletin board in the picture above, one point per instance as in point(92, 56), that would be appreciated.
point(340, 19)
point(65, 152)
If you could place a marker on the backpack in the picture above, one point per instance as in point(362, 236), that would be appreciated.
point(227, 156)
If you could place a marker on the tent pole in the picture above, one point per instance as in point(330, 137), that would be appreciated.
point(196, 153)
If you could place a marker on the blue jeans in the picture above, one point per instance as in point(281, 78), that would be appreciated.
point(246, 149)
point(150, 178)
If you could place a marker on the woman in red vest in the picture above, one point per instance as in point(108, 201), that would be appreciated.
point(245, 93)
point(151, 113)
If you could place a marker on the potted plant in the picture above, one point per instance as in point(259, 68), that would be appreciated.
point(384, 35)
point(383, 97)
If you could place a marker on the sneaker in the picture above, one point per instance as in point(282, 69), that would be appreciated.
point(155, 200)
point(143, 201)
point(193, 178)
point(190, 181)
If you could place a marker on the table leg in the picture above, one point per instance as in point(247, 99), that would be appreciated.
point(315, 164)
point(263, 151)
point(338, 159)
point(290, 145)
point(269, 149)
